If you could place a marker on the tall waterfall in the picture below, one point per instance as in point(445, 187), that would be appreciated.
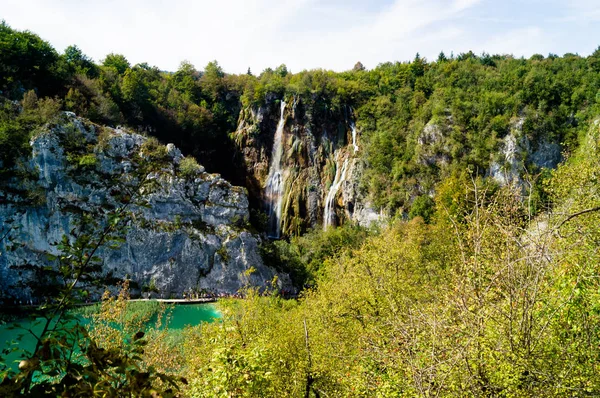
point(354, 144)
point(340, 177)
point(276, 180)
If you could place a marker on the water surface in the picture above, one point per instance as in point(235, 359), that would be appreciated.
point(180, 317)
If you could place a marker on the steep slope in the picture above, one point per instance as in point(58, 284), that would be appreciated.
point(188, 233)
point(305, 167)
point(312, 157)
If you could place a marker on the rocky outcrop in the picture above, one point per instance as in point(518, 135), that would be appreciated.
point(354, 201)
point(517, 153)
point(190, 236)
point(320, 163)
point(432, 144)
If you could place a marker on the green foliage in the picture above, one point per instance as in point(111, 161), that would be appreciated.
point(224, 254)
point(75, 101)
point(116, 61)
point(153, 150)
point(303, 257)
point(151, 287)
point(189, 167)
point(66, 359)
point(423, 206)
point(79, 63)
point(477, 99)
point(185, 81)
point(483, 300)
point(17, 126)
point(26, 62)
point(488, 304)
point(89, 160)
point(236, 359)
point(281, 70)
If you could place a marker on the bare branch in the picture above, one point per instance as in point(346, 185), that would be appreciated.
point(580, 213)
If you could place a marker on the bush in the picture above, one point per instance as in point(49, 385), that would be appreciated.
point(423, 206)
point(153, 150)
point(88, 160)
point(189, 167)
point(16, 127)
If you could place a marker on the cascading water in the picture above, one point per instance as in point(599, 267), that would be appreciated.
point(354, 144)
point(276, 180)
point(340, 177)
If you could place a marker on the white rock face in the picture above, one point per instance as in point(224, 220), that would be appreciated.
point(516, 150)
point(191, 237)
point(314, 194)
point(508, 170)
point(357, 207)
point(432, 148)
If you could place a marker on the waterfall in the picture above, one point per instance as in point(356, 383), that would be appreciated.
point(354, 144)
point(340, 177)
point(276, 180)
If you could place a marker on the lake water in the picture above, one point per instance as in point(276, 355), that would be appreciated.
point(180, 317)
point(192, 315)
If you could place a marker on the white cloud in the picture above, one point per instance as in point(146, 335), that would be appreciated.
point(524, 41)
point(584, 10)
point(464, 4)
point(303, 34)
point(396, 32)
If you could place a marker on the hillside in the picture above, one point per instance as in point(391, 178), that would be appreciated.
point(414, 124)
point(423, 228)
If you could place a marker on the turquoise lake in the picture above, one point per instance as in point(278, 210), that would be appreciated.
point(180, 317)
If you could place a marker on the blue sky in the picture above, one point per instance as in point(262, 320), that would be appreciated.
point(307, 34)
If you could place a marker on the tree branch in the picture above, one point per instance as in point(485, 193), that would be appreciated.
point(580, 213)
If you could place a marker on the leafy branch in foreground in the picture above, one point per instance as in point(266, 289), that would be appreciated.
point(66, 360)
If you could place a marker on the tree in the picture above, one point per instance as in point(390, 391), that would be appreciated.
point(281, 70)
point(26, 62)
point(66, 361)
point(76, 102)
point(442, 58)
point(358, 67)
point(117, 61)
point(487, 60)
point(185, 80)
point(417, 67)
point(212, 80)
point(80, 63)
point(134, 87)
point(214, 71)
point(423, 206)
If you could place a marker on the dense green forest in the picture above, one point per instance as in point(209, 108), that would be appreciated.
point(476, 290)
point(478, 98)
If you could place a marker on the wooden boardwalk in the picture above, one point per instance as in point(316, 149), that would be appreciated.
point(202, 300)
point(182, 301)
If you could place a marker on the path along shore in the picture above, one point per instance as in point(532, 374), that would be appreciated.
point(201, 300)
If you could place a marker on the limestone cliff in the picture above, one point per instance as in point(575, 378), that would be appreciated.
point(191, 236)
point(304, 161)
point(514, 155)
point(312, 155)
point(517, 151)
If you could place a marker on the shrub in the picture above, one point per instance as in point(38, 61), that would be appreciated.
point(153, 150)
point(16, 128)
point(189, 167)
point(423, 206)
point(89, 160)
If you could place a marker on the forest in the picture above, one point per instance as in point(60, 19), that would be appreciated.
point(470, 288)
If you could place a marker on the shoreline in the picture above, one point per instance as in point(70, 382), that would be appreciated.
point(202, 300)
